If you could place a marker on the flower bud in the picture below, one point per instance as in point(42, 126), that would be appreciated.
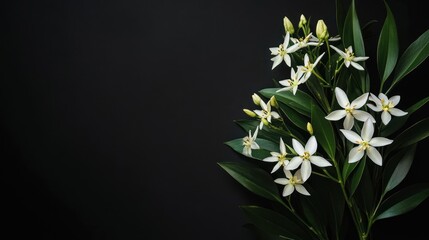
point(302, 21)
point(249, 113)
point(310, 128)
point(288, 25)
point(256, 99)
point(274, 102)
point(322, 30)
point(265, 121)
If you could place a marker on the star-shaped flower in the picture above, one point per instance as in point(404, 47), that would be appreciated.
point(308, 67)
point(350, 58)
point(304, 42)
point(387, 106)
point(282, 52)
point(249, 143)
point(265, 114)
point(296, 78)
point(306, 157)
point(291, 183)
point(278, 157)
point(366, 143)
point(350, 110)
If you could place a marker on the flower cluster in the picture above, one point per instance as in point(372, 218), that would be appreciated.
point(296, 139)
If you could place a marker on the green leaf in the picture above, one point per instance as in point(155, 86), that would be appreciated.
point(265, 148)
point(417, 132)
point(403, 201)
point(356, 177)
point(254, 179)
point(274, 223)
point(388, 47)
point(412, 57)
point(301, 101)
point(348, 168)
point(340, 14)
point(397, 168)
point(352, 33)
point(323, 130)
point(293, 116)
point(397, 122)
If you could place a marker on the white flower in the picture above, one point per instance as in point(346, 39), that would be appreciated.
point(366, 143)
point(249, 143)
point(266, 114)
point(304, 42)
point(282, 52)
point(291, 183)
point(296, 78)
point(308, 67)
point(331, 39)
point(305, 157)
point(349, 57)
point(387, 105)
point(280, 157)
point(350, 111)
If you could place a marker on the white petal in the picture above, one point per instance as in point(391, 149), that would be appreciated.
point(347, 63)
point(367, 130)
point(342, 98)
point(254, 145)
point(383, 97)
point(359, 59)
point(301, 189)
point(319, 161)
point(357, 66)
point(276, 167)
point(297, 147)
point(276, 61)
point(336, 115)
point(294, 89)
point(374, 155)
point(349, 121)
point(374, 98)
point(318, 59)
point(271, 159)
point(355, 154)
point(374, 108)
point(288, 190)
point(360, 101)
point(395, 99)
point(380, 141)
point(287, 59)
point(305, 170)
point(282, 181)
point(351, 136)
point(274, 50)
point(258, 112)
point(306, 60)
point(286, 40)
point(294, 163)
point(288, 173)
point(363, 116)
point(311, 145)
point(285, 82)
point(397, 112)
point(385, 117)
point(282, 147)
point(342, 54)
point(275, 114)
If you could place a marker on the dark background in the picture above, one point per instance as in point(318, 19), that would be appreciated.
point(114, 113)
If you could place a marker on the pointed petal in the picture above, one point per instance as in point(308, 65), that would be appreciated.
point(288, 173)
point(359, 59)
point(383, 97)
point(355, 154)
point(374, 108)
point(294, 163)
point(284, 89)
point(282, 181)
point(275, 114)
point(349, 121)
point(274, 50)
point(285, 82)
point(363, 116)
point(342, 98)
point(276, 167)
point(271, 159)
point(367, 130)
point(276, 61)
point(288, 190)
point(319, 161)
point(385, 117)
point(301, 189)
point(286, 40)
point(342, 54)
point(282, 147)
point(357, 66)
point(336, 115)
point(254, 145)
point(397, 112)
point(395, 99)
point(297, 146)
point(311, 145)
point(380, 142)
point(374, 155)
point(305, 170)
point(360, 101)
point(351, 136)
point(318, 59)
point(287, 59)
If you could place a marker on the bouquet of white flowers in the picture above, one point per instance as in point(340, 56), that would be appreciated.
point(327, 145)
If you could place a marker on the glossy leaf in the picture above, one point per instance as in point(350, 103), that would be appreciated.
point(323, 130)
point(254, 179)
point(293, 116)
point(388, 47)
point(417, 132)
point(356, 177)
point(403, 201)
point(352, 33)
point(397, 168)
point(301, 101)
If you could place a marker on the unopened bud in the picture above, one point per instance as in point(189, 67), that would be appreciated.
point(288, 25)
point(322, 30)
point(274, 102)
point(265, 121)
point(249, 113)
point(310, 128)
point(256, 99)
point(302, 21)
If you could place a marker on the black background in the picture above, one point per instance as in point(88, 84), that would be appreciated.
point(114, 113)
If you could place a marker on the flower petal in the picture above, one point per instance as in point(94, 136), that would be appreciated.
point(336, 115)
point(374, 108)
point(287, 59)
point(282, 181)
point(367, 130)
point(380, 141)
point(342, 98)
point(275, 114)
point(288, 190)
point(355, 154)
point(276, 167)
point(311, 145)
point(301, 189)
point(288, 173)
point(294, 163)
point(385, 117)
point(351, 136)
point(357, 66)
point(397, 112)
point(305, 170)
point(276, 61)
point(349, 121)
point(271, 159)
point(297, 146)
point(360, 101)
point(395, 99)
point(363, 116)
point(374, 155)
point(319, 161)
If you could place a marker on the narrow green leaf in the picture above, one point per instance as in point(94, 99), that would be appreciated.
point(254, 179)
point(323, 130)
point(388, 46)
point(340, 14)
point(356, 177)
point(352, 33)
point(403, 201)
point(417, 132)
point(412, 57)
point(274, 223)
point(301, 101)
point(397, 168)
point(293, 116)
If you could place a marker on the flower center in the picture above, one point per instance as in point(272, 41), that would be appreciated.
point(386, 106)
point(363, 146)
point(306, 156)
point(281, 50)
